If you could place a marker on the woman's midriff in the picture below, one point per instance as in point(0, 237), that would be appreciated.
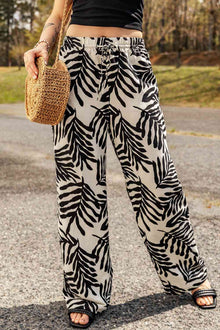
point(76, 30)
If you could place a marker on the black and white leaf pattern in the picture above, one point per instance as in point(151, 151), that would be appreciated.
point(127, 108)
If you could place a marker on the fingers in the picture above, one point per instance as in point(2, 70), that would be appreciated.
point(29, 60)
point(44, 53)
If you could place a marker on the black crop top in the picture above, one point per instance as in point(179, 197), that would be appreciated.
point(122, 13)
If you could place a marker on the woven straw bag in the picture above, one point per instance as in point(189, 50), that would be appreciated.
point(46, 97)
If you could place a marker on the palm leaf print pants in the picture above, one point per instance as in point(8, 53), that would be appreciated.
point(114, 91)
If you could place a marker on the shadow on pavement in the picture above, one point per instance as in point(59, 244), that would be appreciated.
point(54, 315)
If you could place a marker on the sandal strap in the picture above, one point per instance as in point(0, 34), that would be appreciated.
point(204, 292)
point(82, 311)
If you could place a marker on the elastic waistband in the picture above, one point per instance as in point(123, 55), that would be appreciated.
point(101, 41)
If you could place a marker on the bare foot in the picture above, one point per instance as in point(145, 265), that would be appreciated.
point(206, 300)
point(79, 318)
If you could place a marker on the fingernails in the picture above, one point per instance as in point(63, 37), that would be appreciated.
point(35, 77)
point(45, 62)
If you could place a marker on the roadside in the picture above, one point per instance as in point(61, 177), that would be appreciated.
point(191, 86)
point(31, 274)
point(188, 119)
point(205, 58)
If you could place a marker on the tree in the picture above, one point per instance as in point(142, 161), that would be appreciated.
point(18, 48)
point(26, 9)
point(7, 10)
point(213, 23)
point(42, 11)
point(156, 26)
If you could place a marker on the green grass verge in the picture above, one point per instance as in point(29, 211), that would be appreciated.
point(185, 86)
point(12, 84)
point(188, 85)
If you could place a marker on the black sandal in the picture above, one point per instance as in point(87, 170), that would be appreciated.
point(203, 293)
point(82, 311)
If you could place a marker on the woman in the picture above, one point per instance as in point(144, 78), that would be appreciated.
point(114, 90)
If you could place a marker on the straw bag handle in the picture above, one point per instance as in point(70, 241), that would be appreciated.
point(63, 23)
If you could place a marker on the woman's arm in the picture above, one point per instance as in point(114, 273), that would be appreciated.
point(49, 33)
point(53, 23)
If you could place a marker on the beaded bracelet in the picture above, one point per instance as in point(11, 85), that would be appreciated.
point(48, 46)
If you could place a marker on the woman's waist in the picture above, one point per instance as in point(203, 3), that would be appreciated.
point(76, 30)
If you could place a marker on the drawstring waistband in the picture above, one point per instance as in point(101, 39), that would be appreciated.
point(105, 45)
point(106, 51)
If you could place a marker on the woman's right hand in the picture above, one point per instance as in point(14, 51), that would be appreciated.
point(31, 54)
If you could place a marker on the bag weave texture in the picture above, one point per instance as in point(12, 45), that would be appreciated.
point(46, 97)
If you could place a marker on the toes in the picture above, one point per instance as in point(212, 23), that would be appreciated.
point(84, 319)
point(78, 317)
point(201, 301)
point(205, 300)
point(73, 316)
point(210, 300)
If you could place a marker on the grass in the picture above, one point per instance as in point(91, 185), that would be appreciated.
point(207, 135)
point(185, 86)
point(189, 85)
point(12, 84)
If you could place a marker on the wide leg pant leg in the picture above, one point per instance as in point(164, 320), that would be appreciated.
point(80, 159)
point(138, 133)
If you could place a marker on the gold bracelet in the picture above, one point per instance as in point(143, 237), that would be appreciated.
point(48, 46)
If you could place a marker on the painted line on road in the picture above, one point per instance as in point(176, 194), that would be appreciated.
point(197, 134)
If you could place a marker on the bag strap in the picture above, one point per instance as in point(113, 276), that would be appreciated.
point(63, 23)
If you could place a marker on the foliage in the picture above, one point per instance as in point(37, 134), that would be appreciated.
point(21, 23)
point(168, 25)
point(182, 24)
point(44, 9)
point(7, 11)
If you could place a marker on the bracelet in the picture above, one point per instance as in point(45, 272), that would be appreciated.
point(48, 46)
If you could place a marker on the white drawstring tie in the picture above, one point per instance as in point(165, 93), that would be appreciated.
point(106, 51)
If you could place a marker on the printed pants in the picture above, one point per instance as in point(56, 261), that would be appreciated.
point(114, 90)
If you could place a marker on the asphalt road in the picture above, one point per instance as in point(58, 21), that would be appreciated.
point(31, 274)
